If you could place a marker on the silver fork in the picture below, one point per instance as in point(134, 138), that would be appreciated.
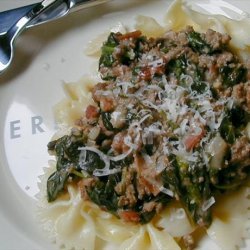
point(45, 11)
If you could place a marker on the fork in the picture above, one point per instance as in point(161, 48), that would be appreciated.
point(57, 8)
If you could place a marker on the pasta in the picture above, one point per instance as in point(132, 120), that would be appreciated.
point(201, 22)
point(82, 225)
point(78, 224)
point(231, 214)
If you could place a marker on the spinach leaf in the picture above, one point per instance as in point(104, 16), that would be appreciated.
point(130, 117)
point(227, 130)
point(233, 75)
point(231, 177)
point(149, 148)
point(103, 193)
point(108, 47)
point(239, 116)
point(66, 149)
point(127, 56)
point(122, 163)
point(56, 183)
point(146, 217)
point(197, 43)
point(92, 161)
point(107, 58)
point(139, 46)
point(106, 119)
point(170, 176)
point(198, 85)
point(178, 66)
point(67, 153)
point(112, 41)
point(194, 192)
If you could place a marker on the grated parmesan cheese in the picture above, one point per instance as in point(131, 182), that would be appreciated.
point(207, 204)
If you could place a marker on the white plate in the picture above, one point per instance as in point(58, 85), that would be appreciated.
point(45, 57)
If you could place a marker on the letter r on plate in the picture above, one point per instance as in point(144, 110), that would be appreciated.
point(36, 122)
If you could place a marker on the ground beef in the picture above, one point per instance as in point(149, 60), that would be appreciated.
point(189, 242)
point(206, 61)
point(97, 91)
point(224, 58)
point(179, 38)
point(125, 188)
point(123, 72)
point(104, 130)
point(240, 151)
point(216, 40)
point(173, 54)
point(118, 143)
point(92, 114)
point(152, 205)
point(247, 90)
point(241, 95)
point(83, 184)
point(128, 199)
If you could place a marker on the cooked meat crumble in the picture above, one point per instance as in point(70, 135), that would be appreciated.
point(169, 122)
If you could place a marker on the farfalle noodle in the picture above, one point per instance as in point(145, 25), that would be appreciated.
point(229, 219)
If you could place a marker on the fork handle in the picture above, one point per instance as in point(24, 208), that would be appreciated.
point(76, 5)
point(37, 10)
point(55, 7)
